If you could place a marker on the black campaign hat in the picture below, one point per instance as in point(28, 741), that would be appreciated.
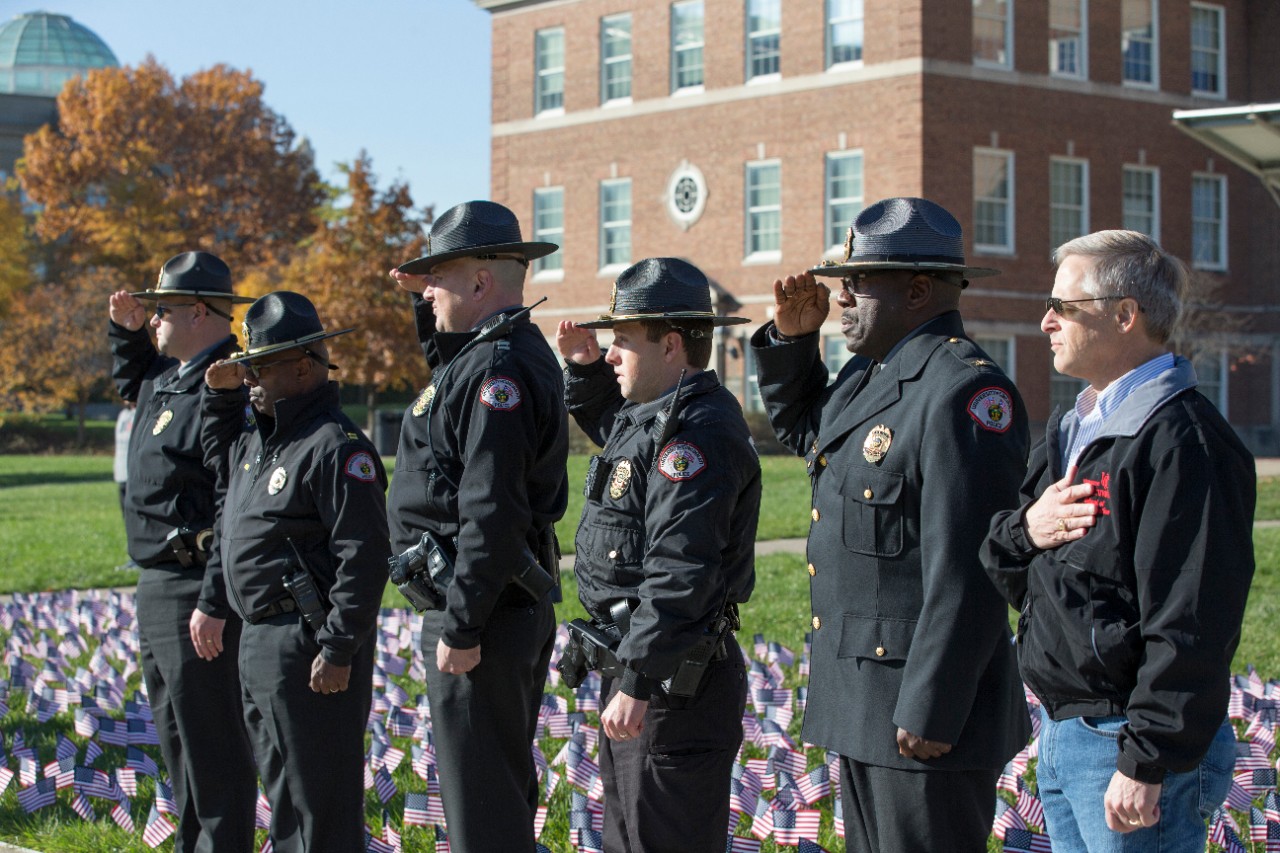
point(194, 274)
point(661, 289)
point(904, 234)
point(280, 321)
point(472, 229)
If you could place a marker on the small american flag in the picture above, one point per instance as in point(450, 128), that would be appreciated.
point(389, 834)
point(138, 761)
point(81, 806)
point(158, 828)
point(539, 821)
point(790, 826)
point(262, 812)
point(737, 844)
point(374, 844)
point(165, 804)
point(589, 841)
point(120, 814)
point(38, 796)
point(385, 785)
point(807, 846)
point(96, 783)
point(415, 810)
point(127, 779)
point(442, 840)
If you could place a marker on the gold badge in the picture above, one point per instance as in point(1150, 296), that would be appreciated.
point(613, 300)
point(877, 444)
point(424, 400)
point(621, 479)
point(277, 481)
point(163, 421)
point(848, 244)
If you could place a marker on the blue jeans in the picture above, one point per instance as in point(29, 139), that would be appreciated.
point(1077, 761)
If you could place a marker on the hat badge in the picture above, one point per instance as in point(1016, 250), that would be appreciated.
point(877, 444)
point(613, 300)
point(848, 244)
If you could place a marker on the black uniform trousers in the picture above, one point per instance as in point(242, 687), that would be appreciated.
point(952, 809)
point(667, 790)
point(196, 706)
point(310, 746)
point(484, 723)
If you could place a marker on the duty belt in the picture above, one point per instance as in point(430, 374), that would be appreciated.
point(275, 608)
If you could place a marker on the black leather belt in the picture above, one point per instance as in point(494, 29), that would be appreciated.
point(275, 608)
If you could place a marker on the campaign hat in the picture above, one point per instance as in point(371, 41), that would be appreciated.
point(661, 289)
point(199, 274)
point(475, 229)
point(280, 321)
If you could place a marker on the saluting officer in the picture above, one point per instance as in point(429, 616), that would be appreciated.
point(304, 556)
point(911, 450)
point(665, 553)
point(169, 506)
point(481, 466)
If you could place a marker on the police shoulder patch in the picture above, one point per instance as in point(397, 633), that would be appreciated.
point(360, 467)
point(680, 460)
point(500, 394)
point(992, 408)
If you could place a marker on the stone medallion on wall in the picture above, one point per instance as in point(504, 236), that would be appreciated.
point(686, 194)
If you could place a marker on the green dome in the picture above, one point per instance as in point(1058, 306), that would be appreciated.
point(40, 51)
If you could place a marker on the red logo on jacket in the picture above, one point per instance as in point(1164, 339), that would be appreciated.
point(1101, 492)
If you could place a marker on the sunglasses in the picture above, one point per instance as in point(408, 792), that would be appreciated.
point(1059, 306)
point(257, 368)
point(164, 310)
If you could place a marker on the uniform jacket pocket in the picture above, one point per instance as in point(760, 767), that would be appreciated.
point(876, 638)
point(872, 511)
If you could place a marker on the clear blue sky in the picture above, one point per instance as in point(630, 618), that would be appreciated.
point(405, 80)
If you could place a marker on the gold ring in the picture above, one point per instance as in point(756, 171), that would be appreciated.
point(1062, 525)
point(1135, 823)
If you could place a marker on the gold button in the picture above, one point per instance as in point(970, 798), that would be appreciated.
point(953, 340)
point(867, 494)
point(815, 514)
point(613, 555)
point(817, 623)
point(812, 570)
point(879, 651)
point(822, 460)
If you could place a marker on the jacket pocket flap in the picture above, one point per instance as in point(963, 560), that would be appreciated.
point(876, 637)
point(871, 487)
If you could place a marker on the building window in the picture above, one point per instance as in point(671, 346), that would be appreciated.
point(993, 201)
point(835, 355)
point(548, 227)
point(764, 38)
point(993, 33)
point(615, 58)
point(1208, 54)
point(615, 223)
point(1138, 42)
point(844, 31)
point(1063, 391)
point(1068, 49)
point(1142, 200)
point(1211, 375)
point(844, 195)
point(1068, 200)
point(764, 210)
point(1001, 350)
point(1209, 222)
point(686, 45)
point(549, 61)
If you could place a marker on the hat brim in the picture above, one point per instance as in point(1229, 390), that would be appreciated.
point(203, 294)
point(837, 270)
point(259, 352)
point(529, 251)
point(608, 321)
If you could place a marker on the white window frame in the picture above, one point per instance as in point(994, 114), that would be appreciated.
point(839, 228)
point(1063, 381)
point(751, 254)
point(1220, 49)
point(609, 226)
point(1057, 206)
point(700, 47)
point(620, 64)
point(835, 355)
point(858, 17)
point(542, 75)
point(1082, 44)
point(1009, 202)
point(1154, 174)
point(1010, 363)
point(1007, 64)
point(1154, 82)
point(1218, 354)
point(1220, 263)
point(752, 35)
point(549, 267)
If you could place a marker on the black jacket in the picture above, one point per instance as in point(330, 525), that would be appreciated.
point(307, 474)
point(907, 630)
point(491, 471)
point(1141, 616)
point(671, 529)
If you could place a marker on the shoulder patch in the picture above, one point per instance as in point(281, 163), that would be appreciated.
point(360, 467)
point(992, 408)
point(680, 460)
point(500, 394)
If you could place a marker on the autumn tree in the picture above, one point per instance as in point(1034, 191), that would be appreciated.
point(15, 256)
point(140, 168)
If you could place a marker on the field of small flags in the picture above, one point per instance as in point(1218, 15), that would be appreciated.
point(79, 761)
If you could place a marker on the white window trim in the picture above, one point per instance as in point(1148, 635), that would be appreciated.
point(846, 65)
point(1007, 65)
point(1010, 369)
point(746, 45)
point(1084, 192)
point(767, 256)
point(1154, 171)
point(837, 249)
point(1083, 73)
point(614, 268)
point(671, 24)
point(547, 275)
point(606, 62)
point(1221, 92)
point(1224, 263)
point(1011, 218)
point(1224, 377)
point(1155, 53)
point(539, 74)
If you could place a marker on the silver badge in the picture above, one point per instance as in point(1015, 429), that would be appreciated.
point(277, 481)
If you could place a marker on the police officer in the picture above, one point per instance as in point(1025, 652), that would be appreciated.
point(481, 466)
point(665, 553)
point(304, 556)
point(169, 515)
point(912, 448)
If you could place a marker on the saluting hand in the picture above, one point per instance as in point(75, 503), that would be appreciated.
point(411, 283)
point(328, 677)
point(127, 310)
point(1061, 513)
point(577, 344)
point(225, 377)
point(801, 304)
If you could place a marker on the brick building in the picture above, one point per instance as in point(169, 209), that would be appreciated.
point(744, 135)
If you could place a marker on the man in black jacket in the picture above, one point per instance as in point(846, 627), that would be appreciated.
point(169, 514)
point(1130, 560)
point(303, 533)
point(912, 449)
point(481, 467)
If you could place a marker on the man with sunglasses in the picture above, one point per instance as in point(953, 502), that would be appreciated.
point(169, 517)
point(1130, 559)
point(911, 449)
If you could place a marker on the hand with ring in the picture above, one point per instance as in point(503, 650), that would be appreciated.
point(1062, 513)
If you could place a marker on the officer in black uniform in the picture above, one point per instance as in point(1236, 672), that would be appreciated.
point(665, 553)
point(481, 467)
point(169, 514)
point(304, 557)
point(912, 449)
